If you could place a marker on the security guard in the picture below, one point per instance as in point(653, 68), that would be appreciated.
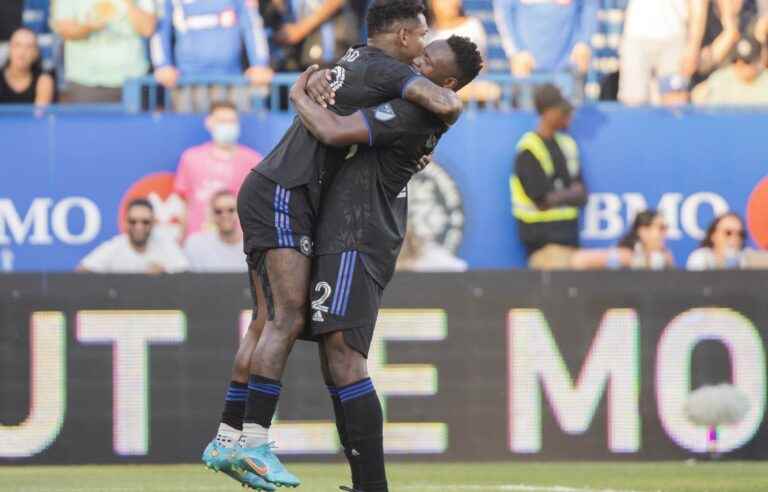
point(547, 188)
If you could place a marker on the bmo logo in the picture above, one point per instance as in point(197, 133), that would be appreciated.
point(609, 215)
point(72, 220)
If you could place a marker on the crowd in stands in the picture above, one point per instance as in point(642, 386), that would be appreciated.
point(638, 51)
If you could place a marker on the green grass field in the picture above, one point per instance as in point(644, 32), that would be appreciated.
point(448, 477)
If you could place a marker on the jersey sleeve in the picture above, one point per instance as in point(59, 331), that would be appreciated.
point(390, 77)
point(392, 120)
point(531, 175)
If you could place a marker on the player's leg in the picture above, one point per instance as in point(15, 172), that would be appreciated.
point(220, 453)
point(284, 278)
point(338, 409)
point(363, 416)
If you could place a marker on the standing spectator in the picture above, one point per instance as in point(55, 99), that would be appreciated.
point(322, 31)
point(447, 18)
point(546, 187)
point(219, 250)
point(138, 250)
point(207, 38)
point(546, 35)
point(22, 80)
point(103, 45)
point(662, 40)
point(221, 164)
point(722, 247)
point(743, 83)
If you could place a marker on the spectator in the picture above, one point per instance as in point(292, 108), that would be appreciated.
point(447, 18)
point(103, 45)
point(760, 29)
point(743, 83)
point(322, 30)
point(726, 19)
point(642, 248)
point(662, 39)
point(36, 18)
point(138, 250)
point(219, 250)
point(10, 21)
point(208, 39)
point(546, 187)
point(22, 80)
point(722, 247)
point(221, 164)
point(420, 254)
point(546, 35)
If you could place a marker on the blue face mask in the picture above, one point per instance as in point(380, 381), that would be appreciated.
point(225, 133)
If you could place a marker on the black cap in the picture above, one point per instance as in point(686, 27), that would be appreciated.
point(748, 50)
point(548, 96)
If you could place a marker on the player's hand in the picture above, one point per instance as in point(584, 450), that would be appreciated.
point(290, 34)
point(523, 64)
point(259, 76)
point(167, 76)
point(298, 89)
point(319, 88)
point(581, 56)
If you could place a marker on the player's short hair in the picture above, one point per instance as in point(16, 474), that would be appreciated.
point(139, 202)
point(222, 105)
point(468, 59)
point(384, 13)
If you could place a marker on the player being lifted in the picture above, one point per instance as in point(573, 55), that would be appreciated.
point(277, 205)
point(358, 237)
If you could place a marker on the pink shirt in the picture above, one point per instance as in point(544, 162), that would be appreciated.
point(200, 175)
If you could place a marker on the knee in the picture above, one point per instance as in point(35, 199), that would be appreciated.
point(345, 365)
point(290, 314)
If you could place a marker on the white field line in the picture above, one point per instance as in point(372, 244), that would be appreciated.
point(508, 488)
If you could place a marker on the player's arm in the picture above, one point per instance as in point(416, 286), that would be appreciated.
point(328, 127)
point(440, 101)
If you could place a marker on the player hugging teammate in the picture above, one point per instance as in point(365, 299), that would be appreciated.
point(388, 105)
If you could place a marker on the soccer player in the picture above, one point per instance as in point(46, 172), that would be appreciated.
point(359, 234)
point(277, 206)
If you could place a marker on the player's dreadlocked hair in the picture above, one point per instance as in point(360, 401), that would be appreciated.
point(468, 59)
point(384, 13)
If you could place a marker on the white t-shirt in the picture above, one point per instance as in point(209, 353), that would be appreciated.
point(705, 259)
point(118, 256)
point(472, 28)
point(656, 19)
point(208, 253)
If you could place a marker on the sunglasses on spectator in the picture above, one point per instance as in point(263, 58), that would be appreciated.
point(734, 232)
point(145, 222)
point(220, 211)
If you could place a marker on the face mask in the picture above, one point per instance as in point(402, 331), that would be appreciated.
point(226, 133)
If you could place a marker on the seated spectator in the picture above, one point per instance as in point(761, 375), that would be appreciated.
point(546, 35)
point(137, 250)
point(206, 39)
point(22, 80)
point(722, 247)
point(103, 46)
point(221, 164)
point(642, 248)
point(421, 254)
point(322, 31)
point(743, 83)
point(219, 250)
point(662, 41)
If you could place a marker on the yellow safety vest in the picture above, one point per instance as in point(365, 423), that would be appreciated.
point(523, 208)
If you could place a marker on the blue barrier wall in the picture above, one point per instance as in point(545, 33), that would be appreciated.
point(689, 162)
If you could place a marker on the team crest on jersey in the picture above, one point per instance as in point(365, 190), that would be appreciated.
point(338, 74)
point(305, 244)
point(384, 112)
point(435, 208)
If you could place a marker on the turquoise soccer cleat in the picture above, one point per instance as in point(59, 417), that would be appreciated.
point(263, 462)
point(221, 459)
